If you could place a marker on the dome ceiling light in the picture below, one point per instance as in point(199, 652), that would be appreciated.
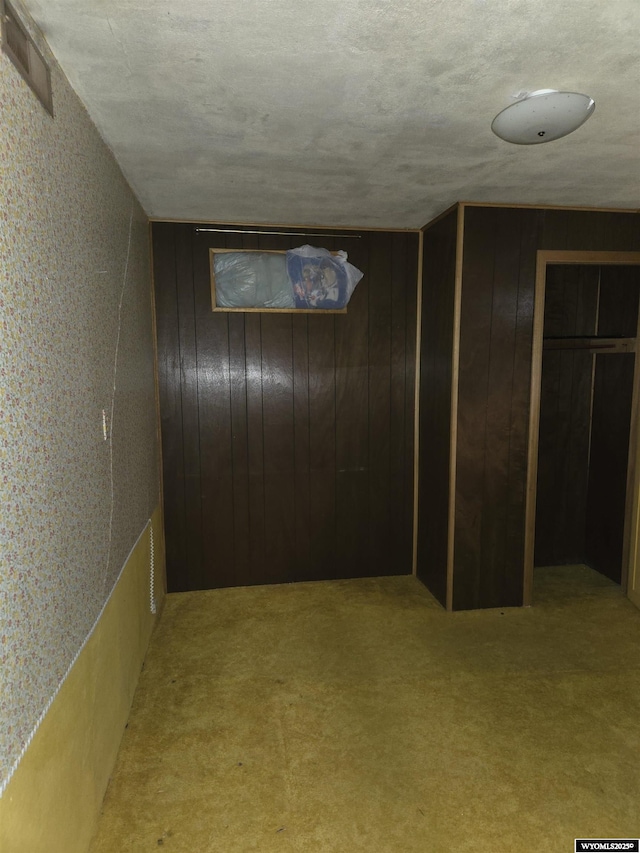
point(543, 116)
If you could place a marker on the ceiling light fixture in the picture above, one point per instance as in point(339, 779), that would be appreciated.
point(543, 116)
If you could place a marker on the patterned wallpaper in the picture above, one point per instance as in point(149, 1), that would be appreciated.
point(75, 339)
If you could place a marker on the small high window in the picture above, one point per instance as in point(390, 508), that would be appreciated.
point(19, 47)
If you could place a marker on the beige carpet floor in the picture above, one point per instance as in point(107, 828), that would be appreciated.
point(351, 716)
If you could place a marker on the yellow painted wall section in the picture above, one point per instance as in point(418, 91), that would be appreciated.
point(53, 800)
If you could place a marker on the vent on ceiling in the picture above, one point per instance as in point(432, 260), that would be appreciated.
point(19, 47)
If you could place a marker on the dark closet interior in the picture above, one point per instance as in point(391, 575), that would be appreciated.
point(590, 327)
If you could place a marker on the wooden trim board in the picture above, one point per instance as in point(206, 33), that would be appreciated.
point(506, 205)
point(631, 545)
point(549, 207)
point(305, 226)
point(416, 408)
point(156, 390)
point(630, 535)
point(455, 374)
point(564, 256)
point(439, 217)
point(591, 344)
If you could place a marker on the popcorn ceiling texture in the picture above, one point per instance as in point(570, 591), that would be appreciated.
point(350, 112)
point(73, 246)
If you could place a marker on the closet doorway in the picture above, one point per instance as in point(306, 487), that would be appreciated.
point(583, 476)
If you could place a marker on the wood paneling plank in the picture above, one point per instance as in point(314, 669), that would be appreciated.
point(352, 424)
point(410, 366)
point(380, 265)
point(279, 450)
point(239, 440)
point(496, 576)
point(565, 414)
point(530, 225)
point(475, 341)
point(322, 446)
point(169, 376)
point(619, 290)
point(214, 403)
point(554, 229)
point(301, 449)
point(398, 394)
point(190, 409)
point(608, 463)
point(239, 448)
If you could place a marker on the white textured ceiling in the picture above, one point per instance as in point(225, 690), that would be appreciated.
point(350, 112)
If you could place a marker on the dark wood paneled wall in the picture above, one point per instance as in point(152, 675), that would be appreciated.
point(287, 439)
point(563, 457)
point(611, 422)
point(498, 279)
point(608, 463)
point(438, 295)
point(571, 301)
point(619, 299)
point(495, 355)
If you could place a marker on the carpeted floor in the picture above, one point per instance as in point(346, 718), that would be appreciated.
point(351, 716)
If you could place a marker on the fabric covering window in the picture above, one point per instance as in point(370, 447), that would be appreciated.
point(307, 279)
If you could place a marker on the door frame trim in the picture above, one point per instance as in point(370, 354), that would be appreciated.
point(544, 257)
